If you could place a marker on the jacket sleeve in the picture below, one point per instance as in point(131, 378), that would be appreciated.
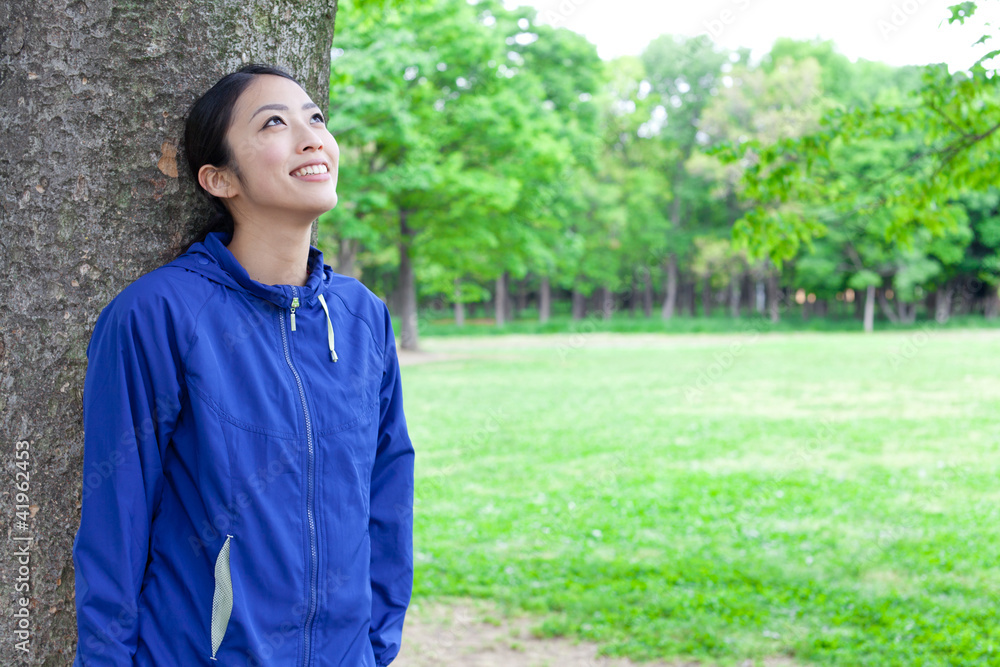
point(131, 402)
point(391, 505)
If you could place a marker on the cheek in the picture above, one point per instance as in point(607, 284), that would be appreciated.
point(334, 150)
point(272, 155)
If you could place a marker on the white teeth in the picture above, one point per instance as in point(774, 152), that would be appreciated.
point(312, 169)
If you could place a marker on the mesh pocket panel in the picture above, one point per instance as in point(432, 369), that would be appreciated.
point(222, 602)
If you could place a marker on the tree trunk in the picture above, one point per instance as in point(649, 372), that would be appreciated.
point(734, 296)
point(992, 306)
point(689, 298)
point(942, 303)
point(606, 303)
point(670, 298)
point(884, 305)
point(706, 297)
point(459, 305)
point(907, 312)
point(94, 195)
point(772, 296)
point(545, 301)
point(521, 302)
point(500, 301)
point(647, 295)
point(407, 287)
point(578, 304)
point(347, 251)
point(870, 309)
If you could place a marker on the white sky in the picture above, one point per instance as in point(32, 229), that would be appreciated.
point(898, 32)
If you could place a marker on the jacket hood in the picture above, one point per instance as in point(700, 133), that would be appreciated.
point(212, 259)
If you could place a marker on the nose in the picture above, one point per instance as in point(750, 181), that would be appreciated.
point(311, 139)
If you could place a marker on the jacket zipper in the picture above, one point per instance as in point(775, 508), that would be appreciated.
point(309, 499)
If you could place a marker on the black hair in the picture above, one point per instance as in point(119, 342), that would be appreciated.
point(205, 129)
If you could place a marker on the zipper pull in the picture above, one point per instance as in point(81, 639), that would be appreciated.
point(295, 304)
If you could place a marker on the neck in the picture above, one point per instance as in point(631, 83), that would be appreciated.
point(273, 254)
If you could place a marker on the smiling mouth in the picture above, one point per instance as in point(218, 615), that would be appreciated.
point(311, 169)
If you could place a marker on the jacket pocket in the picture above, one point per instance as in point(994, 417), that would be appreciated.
point(222, 600)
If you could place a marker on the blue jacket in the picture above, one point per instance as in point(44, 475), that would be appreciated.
point(248, 476)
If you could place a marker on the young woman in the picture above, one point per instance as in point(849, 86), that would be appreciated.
point(248, 476)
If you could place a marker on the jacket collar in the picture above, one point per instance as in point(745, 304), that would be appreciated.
point(212, 259)
point(214, 246)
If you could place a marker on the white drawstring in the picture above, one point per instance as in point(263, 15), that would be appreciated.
point(329, 328)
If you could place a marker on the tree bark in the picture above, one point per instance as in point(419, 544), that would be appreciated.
point(94, 195)
point(706, 297)
point(408, 338)
point(545, 301)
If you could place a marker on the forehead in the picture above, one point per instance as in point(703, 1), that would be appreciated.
point(269, 89)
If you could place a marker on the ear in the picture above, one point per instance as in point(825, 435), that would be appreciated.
point(218, 182)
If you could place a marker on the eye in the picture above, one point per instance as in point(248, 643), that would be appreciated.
point(277, 118)
point(319, 116)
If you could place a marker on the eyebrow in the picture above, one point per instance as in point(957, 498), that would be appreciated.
point(282, 107)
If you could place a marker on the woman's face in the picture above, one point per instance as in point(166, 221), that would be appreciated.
point(276, 131)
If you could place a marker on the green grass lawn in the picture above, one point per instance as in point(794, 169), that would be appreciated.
point(831, 497)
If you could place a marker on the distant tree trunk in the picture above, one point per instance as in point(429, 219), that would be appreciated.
point(578, 303)
point(522, 298)
point(992, 306)
point(689, 298)
point(459, 306)
point(347, 251)
point(870, 309)
point(606, 303)
point(500, 300)
point(885, 306)
point(772, 296)
point(647, 295)
point(942, 303)
point(94, 195)
point(545, 301)
point(734, 296)
point(706, 297)
point(407, 286)
point(907, 312)
point(670, 298)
